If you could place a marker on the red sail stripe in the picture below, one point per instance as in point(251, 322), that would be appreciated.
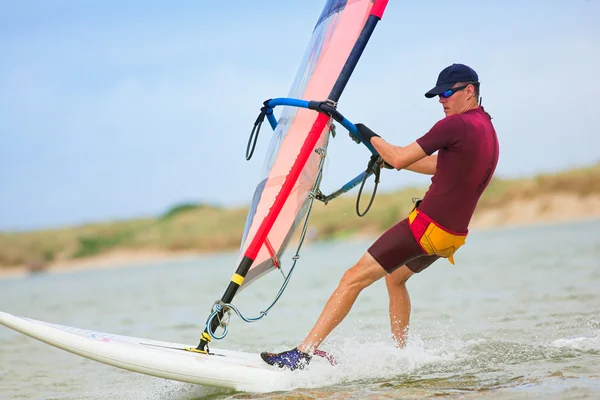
point(379, 8)
point(288, 185)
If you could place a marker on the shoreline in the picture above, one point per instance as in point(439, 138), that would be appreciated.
point(112, 260)
point(197, 229)
point(493, 219)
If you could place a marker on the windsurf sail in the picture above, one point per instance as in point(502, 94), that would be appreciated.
point(294, 162)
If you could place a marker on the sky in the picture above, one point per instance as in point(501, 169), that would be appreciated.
point(115, 110)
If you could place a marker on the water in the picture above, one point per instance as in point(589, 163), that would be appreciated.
point(517, 317)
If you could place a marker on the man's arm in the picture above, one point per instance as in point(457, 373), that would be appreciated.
point(411, 157)
point(425, 166)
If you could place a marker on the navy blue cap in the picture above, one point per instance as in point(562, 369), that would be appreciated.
point(451, 75)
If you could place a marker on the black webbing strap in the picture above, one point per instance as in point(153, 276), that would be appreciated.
point(264, 111)
point(374, 166)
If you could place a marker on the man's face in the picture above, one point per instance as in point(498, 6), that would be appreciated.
point(457, 102)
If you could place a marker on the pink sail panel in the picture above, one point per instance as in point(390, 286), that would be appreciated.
point(331, 43)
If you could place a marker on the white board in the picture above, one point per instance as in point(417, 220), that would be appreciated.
point(220, 368)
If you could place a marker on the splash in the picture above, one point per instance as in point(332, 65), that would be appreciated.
point(579, 343)
point(372, 361)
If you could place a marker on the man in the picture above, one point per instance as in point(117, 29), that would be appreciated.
point(467, 148)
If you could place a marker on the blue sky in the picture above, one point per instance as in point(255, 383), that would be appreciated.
point(113, 109)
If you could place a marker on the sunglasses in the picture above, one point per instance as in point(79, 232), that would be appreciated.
point(451, 91)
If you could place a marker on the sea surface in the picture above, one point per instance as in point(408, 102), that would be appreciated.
point(517, 317)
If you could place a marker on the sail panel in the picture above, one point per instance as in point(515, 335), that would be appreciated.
point(333, 38)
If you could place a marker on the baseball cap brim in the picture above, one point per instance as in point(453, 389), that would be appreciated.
point(439, 89)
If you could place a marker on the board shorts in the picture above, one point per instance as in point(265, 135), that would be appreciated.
point(397, 247)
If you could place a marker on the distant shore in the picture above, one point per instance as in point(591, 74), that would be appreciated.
point(191, 229)
point(544, 209)
point(116, 259)
point(552, 210)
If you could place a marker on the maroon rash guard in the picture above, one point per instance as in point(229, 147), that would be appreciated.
point(467, 158)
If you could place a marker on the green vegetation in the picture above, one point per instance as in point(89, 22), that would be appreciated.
point(205, 228)
point(182, 209)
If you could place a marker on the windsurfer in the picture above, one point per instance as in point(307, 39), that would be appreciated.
point(437, 226)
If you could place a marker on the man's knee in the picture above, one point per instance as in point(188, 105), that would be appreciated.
point(398, 277)
point(366, 271)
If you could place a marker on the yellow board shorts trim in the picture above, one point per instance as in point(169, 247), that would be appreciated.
point(437, 240)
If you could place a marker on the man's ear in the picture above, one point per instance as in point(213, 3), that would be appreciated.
point(471, 90)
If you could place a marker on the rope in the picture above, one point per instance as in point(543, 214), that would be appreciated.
point(264, 111)
point(376, 168)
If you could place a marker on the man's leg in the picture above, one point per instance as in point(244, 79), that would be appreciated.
point(400, 255)
point(399, 299)
point(361, 275)
point(396, 247)
point(399, 303)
